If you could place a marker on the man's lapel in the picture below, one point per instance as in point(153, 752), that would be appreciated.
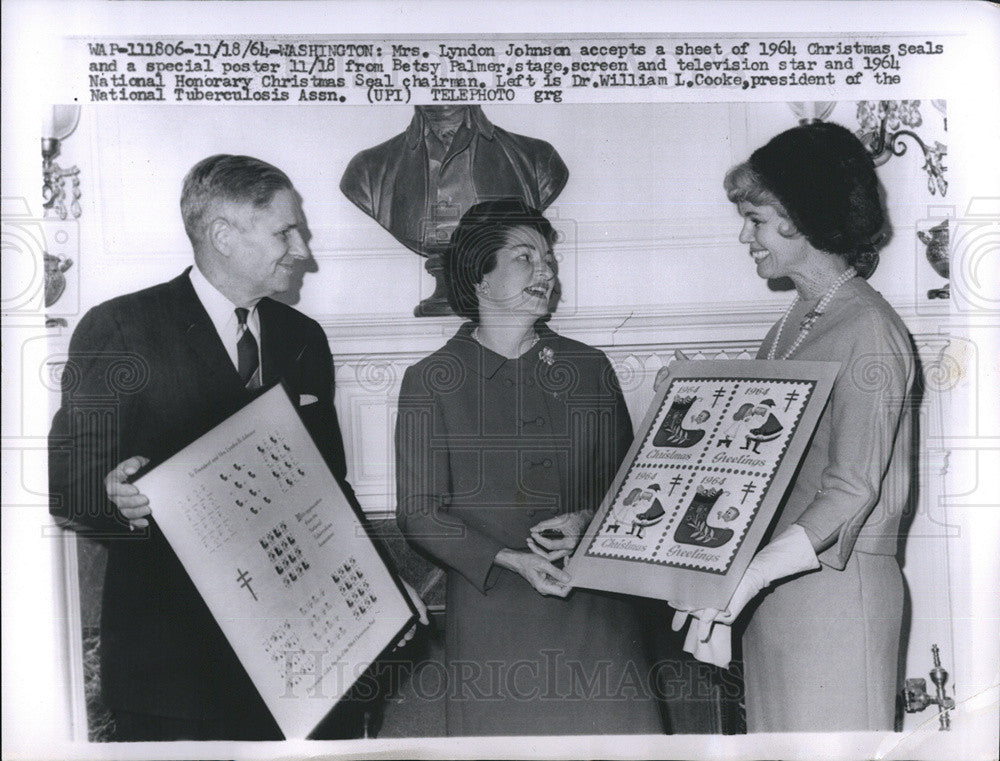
point(201, 336)
point(281, 349)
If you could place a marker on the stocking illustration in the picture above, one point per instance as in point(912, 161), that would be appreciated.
point(671, 434)
point(693, 527)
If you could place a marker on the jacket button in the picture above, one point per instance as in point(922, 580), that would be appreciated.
point(508, 382)
point(539, 420)
point(546, 463)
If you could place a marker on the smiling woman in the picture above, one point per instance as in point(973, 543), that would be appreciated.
point(776, 246)
point(507, 439)
point(522, 278)
point(821, 648)
point(500, 270)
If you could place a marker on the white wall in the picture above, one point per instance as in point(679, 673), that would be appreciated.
point(647, 222)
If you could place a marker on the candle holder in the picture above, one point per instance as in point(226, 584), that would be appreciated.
point(56, 200)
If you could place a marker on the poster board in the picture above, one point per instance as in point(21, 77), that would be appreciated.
point(280, 557)
point(705, 475)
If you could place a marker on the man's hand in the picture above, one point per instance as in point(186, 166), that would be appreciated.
point(537, 571)
point(557, 537)
point(131, 503)
point(418, 603)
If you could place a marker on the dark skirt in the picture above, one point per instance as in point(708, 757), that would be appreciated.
point(519, 663)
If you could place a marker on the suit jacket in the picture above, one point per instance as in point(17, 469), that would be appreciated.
point(486, 447)
point(391, 181)
point(147, 374)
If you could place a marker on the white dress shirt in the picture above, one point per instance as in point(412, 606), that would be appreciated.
point(222, 313)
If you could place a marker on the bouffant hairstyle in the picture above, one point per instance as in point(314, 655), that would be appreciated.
point(483, 230)
point(820, 177)
point(226, 179)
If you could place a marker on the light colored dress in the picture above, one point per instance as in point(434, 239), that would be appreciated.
point(821, 650)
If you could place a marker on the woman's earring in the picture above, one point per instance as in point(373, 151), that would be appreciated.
point(482, 288)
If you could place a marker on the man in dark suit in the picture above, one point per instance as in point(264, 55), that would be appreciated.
point(147, 374)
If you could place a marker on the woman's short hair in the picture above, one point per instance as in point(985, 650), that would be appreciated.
point(223, 179)
point(821, 178)
point(483, 230)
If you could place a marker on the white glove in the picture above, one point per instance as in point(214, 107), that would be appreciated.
point(709, 637)
point(707, 642)
point(789, 553)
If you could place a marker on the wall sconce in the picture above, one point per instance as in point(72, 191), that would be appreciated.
point(59, 124)
point(880, 132)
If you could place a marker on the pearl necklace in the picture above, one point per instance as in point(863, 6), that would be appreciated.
point(810, 319)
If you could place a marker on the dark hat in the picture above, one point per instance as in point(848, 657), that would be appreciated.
point(826, 181)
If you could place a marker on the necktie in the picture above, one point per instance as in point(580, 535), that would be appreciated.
point(246, 352)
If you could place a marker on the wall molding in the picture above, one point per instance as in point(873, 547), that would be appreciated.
point(681, 325)
point(369, 367)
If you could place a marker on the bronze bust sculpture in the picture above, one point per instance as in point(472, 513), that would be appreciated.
point(418, 184)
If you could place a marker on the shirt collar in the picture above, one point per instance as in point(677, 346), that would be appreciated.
point(475, 120)
point(221, 311)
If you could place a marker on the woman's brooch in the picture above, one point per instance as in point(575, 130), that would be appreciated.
point(547, 355)
point(810, 319)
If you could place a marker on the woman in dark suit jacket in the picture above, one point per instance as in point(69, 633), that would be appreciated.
point(506, 431)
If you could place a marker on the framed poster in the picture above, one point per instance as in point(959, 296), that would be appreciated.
point(707, 472)
point(280, 558)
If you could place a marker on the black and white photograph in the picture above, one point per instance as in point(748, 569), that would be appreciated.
point(371, 370)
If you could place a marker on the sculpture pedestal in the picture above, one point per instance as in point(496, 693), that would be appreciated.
point(940, 293)
point(436, 304)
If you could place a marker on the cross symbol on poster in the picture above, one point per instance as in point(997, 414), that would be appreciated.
point(748, 488)
point(674, 483)
point(245, 578)
point(790, 397)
